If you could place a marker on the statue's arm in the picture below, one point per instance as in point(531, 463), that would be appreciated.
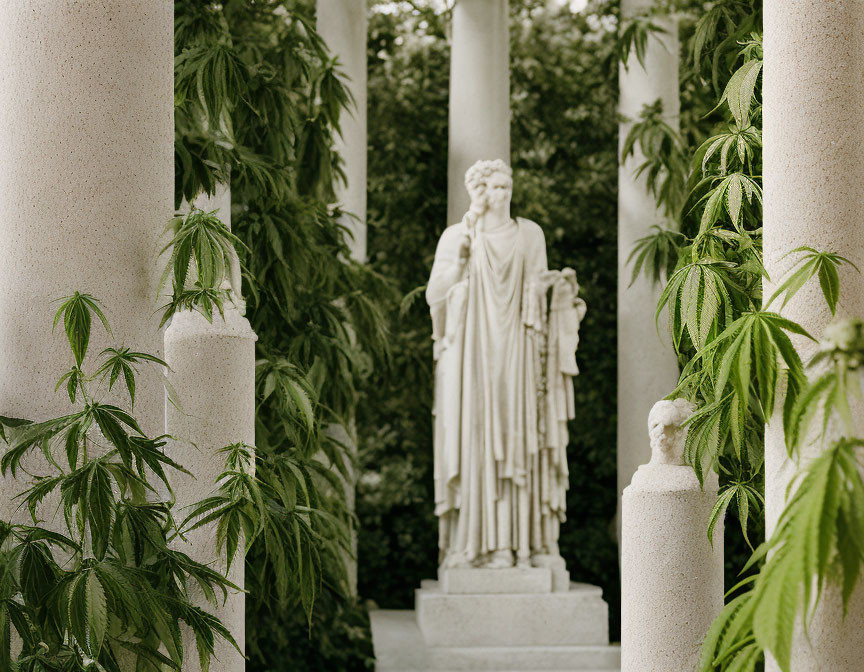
point(537, 261)
point(448, 266)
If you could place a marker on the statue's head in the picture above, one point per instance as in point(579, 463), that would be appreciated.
point(490, 184)
point(667, 434)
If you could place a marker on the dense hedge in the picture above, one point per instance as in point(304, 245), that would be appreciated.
point(564, 138)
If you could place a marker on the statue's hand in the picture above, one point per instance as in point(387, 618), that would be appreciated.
point(464, 250)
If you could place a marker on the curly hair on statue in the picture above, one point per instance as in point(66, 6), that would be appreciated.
point(481, 171)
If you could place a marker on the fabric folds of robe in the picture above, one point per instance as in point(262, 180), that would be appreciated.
point(496, 473)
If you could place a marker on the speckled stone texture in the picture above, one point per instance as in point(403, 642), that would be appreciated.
point(213, 372)
point(479, 93)
point(506, 620)
point(813, 176)
point(647, 367)
point(86, 187)
point(399, 647)
point(671, 578)
point(343, 25)
point(576, 617)
point(467, 581)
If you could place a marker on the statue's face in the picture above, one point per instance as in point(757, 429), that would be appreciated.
point(479, 200)
point(499, 189)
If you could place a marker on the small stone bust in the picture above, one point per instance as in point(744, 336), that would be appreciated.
point(665, 430)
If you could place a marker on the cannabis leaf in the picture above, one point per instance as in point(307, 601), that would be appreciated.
point(699, 302)
point(75, 311)
point(123, 360)
point(740, 90)
point(657, 253)
point(634, 37)
point(813, 263)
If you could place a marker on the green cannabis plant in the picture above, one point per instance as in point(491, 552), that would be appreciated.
point(736, 355)
point(257, 105)
point(104, 583)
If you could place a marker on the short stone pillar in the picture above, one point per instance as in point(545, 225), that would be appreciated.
point(213, 374)
point(813, 172)
point(671, 577)
point(479, 93)
point(647, 366)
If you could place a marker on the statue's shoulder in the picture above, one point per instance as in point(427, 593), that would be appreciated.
point(455, 231)
point(450, 239)
point(531, 229)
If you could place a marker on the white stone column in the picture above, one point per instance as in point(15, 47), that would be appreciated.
point(647, 366)
point(213, 373)
point(813, 174)
point(343, 25)
point(86, 187)
point(671, 576)
point(479, 93)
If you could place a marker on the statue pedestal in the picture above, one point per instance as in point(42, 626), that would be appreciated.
point(512, 620)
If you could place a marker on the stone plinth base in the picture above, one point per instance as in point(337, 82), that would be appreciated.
point(399, 647)
point(502, 620)
point(573, 618)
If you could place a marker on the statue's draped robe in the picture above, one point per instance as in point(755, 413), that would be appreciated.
point(500, 409)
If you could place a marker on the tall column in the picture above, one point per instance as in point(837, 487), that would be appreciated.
point(86, 186)
point(813, 172)
point(479, 93)
point(647, 367)
point(343, 25)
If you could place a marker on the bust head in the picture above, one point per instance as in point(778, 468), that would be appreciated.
point(664, 429)
point(490, 184)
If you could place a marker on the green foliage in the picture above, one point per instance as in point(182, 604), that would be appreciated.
point(824, 265)
point(735, 353)
point(109, 584)
point(818, 538)
point(657, 253)
point(665, 163)
point(633, 38)
point(732, 351)
point(258, 102)
point(563, 135)
point(203, 246)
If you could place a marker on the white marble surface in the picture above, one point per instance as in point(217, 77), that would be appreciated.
point(813, 110)
point(213, 373)
point(671, 576)
point(577, 617)
point(456, 581)
point(647, 366)
point(399, 647)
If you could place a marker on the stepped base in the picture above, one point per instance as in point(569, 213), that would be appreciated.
point(577, 617)
point(399, 647)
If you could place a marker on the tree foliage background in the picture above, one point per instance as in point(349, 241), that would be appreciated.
point(564, 143)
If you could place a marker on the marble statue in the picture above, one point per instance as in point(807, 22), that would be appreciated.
point(665, 430)
point(505, 332)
